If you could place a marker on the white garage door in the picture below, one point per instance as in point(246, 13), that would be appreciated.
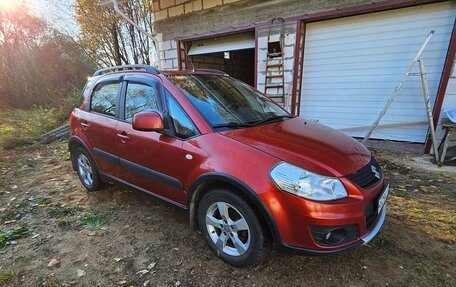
point(352, 64)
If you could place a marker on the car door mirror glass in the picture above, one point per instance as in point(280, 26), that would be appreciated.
point(147, 121)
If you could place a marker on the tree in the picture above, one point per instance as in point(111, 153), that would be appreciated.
point(113, 40)
point(38, 65)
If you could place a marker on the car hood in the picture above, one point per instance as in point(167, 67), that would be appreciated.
point(307, 144)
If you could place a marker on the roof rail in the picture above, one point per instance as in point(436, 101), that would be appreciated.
point(146, 68)
point(219, 72)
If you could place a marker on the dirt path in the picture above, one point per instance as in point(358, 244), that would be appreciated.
point(118, 237)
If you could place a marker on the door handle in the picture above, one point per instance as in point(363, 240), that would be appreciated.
point(123, 136)
point(85, 125)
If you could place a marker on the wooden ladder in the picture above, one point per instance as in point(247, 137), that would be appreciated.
point(274, 77)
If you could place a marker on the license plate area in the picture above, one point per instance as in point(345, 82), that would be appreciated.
point(382, 198)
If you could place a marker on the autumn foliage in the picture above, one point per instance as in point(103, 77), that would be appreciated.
point(38, 65)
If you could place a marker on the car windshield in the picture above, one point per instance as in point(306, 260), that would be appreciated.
point(226, 102)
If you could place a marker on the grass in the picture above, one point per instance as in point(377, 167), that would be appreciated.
point(22, 127)
point(7, 275)
point(12, 234)
point(59, 212)
point(95, 219)
point(62, 223)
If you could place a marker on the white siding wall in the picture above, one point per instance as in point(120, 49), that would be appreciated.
point(351, 65)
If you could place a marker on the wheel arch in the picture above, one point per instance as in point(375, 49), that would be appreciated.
point(208, 181)
point(73, 144)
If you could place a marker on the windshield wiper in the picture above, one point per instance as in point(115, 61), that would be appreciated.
point(271, 119)
point(231, 125)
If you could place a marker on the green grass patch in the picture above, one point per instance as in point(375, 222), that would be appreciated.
point(7, 215)
point(12, 234)
point(59, 212)
point(63, 223)
point(7, 275)
point(96, 219)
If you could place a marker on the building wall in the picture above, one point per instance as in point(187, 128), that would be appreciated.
point(211, 15)
point(180, 18)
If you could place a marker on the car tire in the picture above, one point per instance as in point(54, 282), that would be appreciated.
point(239, 243)
point(87, 170)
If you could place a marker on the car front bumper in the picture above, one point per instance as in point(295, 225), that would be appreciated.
point(365, 239)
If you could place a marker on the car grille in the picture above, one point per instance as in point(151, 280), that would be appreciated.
point(365, 177)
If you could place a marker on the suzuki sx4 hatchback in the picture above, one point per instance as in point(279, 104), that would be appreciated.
point(249, 174)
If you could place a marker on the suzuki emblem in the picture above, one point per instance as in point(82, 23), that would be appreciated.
point(375, 172)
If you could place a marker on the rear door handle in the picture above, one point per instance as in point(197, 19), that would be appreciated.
point(84, 125)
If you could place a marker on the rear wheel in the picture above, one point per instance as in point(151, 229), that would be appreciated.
point(86, 169)
point(231, 228)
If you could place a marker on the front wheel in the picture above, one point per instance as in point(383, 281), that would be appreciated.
point(231, 228)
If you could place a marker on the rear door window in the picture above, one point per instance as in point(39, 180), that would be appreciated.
point(104, 99)
point(140, 98)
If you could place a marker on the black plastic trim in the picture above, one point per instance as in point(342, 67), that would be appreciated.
point(71, 141)
point(151, 174)
point(105, 156)
point(250, 193)
point(285, 248)
point(139, 169)
point(155, 196)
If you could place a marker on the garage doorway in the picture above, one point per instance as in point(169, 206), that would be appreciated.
point(233, 54)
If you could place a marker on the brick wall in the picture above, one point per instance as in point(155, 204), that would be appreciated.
point(195, 17)
point(165, 9)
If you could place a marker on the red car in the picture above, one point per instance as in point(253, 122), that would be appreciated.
point(248, 173)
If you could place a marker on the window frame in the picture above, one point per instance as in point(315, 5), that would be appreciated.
point(198, 132)
point(118, 96)
point(146, 80)
point(126, 83)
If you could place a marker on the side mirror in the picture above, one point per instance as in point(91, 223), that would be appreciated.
point(147, 122)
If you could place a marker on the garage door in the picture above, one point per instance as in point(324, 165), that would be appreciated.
point(224, 43)
point(352, 64)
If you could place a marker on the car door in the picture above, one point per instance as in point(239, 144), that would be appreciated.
point(151, 161)
point(99, 123)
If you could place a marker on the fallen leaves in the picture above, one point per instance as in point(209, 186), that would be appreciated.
point(147, 270)
point(80, 273)
point(54, 263)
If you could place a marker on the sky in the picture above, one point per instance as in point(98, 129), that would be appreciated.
point(58, 13)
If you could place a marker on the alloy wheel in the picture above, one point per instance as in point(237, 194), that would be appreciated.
point(228, 229)
point(85, 170)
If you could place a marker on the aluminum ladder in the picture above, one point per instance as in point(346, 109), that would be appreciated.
point(274, 86)
point(425, 88)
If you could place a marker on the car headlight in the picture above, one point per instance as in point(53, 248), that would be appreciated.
point(303, 183)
